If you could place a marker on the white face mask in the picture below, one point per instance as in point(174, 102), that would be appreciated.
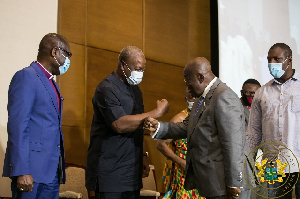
point(190, 105)
point(135, 77)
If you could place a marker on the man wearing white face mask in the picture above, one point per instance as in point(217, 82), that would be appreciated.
point(34, 158)
point(116, 161)
point(274, 118)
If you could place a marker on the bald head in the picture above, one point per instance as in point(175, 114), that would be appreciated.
point(49, 42)
point(199, 64)
point(51, 52)
point(197, 75)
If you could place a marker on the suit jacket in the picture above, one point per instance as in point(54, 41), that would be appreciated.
point(216, 142)
point(35, 138)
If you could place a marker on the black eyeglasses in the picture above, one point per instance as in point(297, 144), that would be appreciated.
point(68, 53)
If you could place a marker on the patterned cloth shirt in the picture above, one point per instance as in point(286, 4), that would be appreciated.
point(275, 117)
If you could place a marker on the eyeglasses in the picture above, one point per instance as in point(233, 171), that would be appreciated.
point(67, 52)
point(139, 70)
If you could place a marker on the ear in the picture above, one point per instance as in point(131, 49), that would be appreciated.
point(54, 52)
point(291, 58)
point(200, 77)
point(122, 65)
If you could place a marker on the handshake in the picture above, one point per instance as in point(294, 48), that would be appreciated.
point(150, 124)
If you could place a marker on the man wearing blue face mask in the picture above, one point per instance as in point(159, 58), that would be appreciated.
point(34, 158)
point(116, 160)
point(274, 118)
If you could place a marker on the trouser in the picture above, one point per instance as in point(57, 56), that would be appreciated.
point(118, 195)
point(244, 195)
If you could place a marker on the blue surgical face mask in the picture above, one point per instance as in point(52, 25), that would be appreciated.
point(135, 77)
point(276, 69)
point(63, 69)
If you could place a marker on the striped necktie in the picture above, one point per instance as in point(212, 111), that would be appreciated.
point(198, 106)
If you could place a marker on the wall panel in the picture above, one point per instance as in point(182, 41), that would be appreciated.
point(166, 31)
point(100, 63)
point(75, 147)
point(199, 29)
point(72, 88)
point(114, 24)
point(72, 21)
point(164, 81)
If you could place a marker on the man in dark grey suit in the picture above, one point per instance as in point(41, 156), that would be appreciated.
point(215, 130)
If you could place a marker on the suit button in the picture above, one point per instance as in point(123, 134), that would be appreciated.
point(208, 161)
point(58, 145)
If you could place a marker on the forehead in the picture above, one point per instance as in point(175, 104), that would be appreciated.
point(276, 52)
point(188, 70)
point(65, 46)
point(137, 59)
point(250, 87)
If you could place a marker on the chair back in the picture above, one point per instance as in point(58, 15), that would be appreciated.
point(75, 182)
point(149, 189)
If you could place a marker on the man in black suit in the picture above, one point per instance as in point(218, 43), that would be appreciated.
point(115, 155)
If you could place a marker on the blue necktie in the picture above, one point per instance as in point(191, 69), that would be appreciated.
point(198, 106)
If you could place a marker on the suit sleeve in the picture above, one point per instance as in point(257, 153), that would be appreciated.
point(169, 130)
point(21, 96)
point(230, 120)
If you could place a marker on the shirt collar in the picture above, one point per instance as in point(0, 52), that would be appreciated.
point(47, 73)
point(295, 77)
point(207, 88)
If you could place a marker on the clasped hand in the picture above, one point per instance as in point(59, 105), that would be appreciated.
point(150, 124)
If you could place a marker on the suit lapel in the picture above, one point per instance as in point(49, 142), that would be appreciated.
point(206, 102)
point(60, 97)
point(48, 87)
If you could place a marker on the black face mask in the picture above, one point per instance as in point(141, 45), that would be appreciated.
point(245, 100)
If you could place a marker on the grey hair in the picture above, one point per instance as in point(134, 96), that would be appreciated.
point(128, 51)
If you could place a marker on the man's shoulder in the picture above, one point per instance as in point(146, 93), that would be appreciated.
point(108, 81)
point(28, 71)
point(223, 88)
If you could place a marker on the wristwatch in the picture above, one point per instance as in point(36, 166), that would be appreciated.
point(146, 154)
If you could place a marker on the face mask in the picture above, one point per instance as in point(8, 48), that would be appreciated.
point(190, 105)
point(276, 69)
point(63, 69)
point(247, 100)
point(135, 77)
